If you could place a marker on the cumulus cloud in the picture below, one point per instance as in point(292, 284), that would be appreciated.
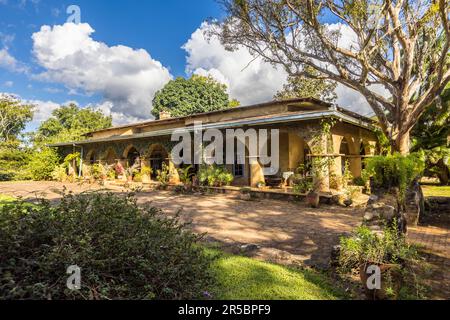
point(252, 80)
point(126, 78)
point(8, 62)
point(248, 79)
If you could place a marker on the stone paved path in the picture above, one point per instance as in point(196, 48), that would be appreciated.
point(286, 232)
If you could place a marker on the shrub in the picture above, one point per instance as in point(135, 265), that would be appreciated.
point(163, 176)
point(365, 247)
point(146, 170)
point(302, 185)
point(137, 177)
point(14, 162)
point(394, 170)
point(98, 171)
point(124, 252)
point(185, 174)
point(214, 176)
point(43, 163)
point(60, 173)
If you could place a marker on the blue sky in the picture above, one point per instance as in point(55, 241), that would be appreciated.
point(120, 55)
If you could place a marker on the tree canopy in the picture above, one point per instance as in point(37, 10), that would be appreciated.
point(431, 133)
point(397, 46)
point(69, 123)
point(183, 97)
point(303, 87)
point(14, 115)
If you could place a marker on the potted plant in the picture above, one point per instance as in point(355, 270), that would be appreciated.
point(245, 193)
point(146, 172)
point(350, 194)
point(120, 171)
point(365, 251)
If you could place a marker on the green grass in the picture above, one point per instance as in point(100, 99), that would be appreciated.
point(249, 279)
point(436, 191)
point(4, 199)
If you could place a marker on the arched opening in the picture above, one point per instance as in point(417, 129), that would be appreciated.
point(91, 157)
point(110, 156)
point(132, 156)
point(157, 156)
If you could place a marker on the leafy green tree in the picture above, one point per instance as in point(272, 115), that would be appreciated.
point(183, 97)
point(400, 46)
point(69, 123)
point(43, 163)
point(431, 134)
point(303, 87)
point(14, 116)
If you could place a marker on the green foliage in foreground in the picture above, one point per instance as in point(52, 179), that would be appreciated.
point(394, 170)
point(245, 278)
point(124, 252)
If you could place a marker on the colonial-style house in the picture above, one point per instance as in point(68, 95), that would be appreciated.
point(303, 137)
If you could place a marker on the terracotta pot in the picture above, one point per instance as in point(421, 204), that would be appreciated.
point(313, 199)
point(385, 269)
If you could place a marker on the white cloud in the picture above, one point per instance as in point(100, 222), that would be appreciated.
point(248, 82)
point(8, 62)
point(119, 118)
point(43, 110)
point(260, 80)
point(8, 84)
point(126, 78)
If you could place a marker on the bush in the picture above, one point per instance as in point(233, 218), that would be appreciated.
point(214, 176)
point(302, 185)
point(43, 164)
point(124, 252)
point(14, 162)
point(98, 171)
point(394, 171)
point(60, 173)
point(365, 247)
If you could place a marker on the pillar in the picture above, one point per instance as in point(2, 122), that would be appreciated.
point(256, 174)
point(320, 162)
point(336, 164)
point(174, 176)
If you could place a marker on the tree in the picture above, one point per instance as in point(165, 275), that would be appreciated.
point(183, 97)
point(69, 123)
point(302, 87)
point(14, 115)
point(400, 46)
point(430, 134)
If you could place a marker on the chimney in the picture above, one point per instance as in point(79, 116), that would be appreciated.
point(163, 114)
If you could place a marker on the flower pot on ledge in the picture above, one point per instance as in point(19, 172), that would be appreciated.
point(313, 199)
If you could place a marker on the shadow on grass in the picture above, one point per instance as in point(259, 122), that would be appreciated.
point(240, 277)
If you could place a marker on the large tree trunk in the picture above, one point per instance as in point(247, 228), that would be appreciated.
point(401, 144)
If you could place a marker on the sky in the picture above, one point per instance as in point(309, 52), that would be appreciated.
point(120, 53)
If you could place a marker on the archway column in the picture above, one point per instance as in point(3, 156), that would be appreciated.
point(320, 162)
point(336, 164)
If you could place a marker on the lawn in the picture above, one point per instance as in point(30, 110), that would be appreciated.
point(5, 199)
point(436, 191)
point(242, 278)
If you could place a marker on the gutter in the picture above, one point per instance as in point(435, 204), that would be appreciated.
point(224, 125)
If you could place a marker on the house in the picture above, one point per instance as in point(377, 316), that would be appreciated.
point(302, 138)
